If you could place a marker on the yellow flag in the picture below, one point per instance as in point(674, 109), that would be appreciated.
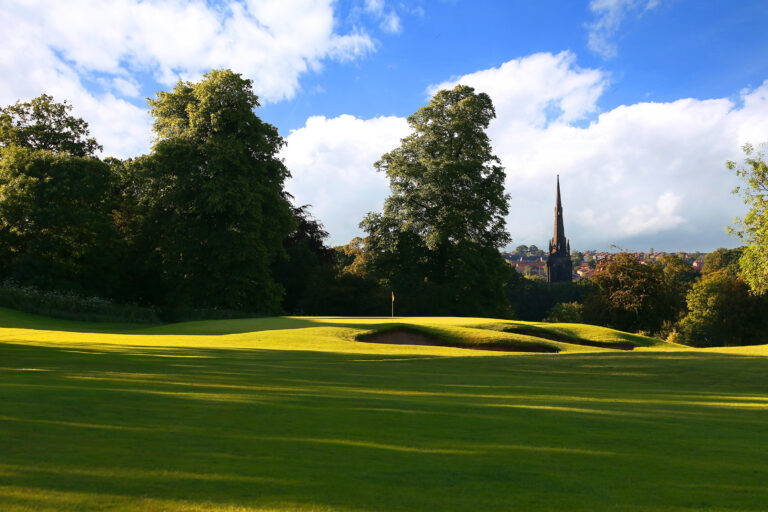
point(393, 296)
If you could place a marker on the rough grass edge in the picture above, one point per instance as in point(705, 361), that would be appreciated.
point(70, 306)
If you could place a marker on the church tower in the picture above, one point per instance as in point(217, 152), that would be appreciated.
point(559, 265)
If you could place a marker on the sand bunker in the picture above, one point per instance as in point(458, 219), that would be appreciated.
point(406, 337)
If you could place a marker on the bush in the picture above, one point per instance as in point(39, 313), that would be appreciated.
point(568, 312)
point(172, 315)
point(71, 306)
point(722, 312)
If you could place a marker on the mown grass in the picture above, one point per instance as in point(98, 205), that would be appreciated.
point(293, 414)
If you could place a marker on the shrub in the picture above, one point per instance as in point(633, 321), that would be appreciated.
point(569, 312)
point(71, 306)
point(722, 311)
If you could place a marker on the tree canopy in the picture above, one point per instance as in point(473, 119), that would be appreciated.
point(212, 192)
point(722, 311)
point(56, 230)
point(44, 124)
point(447, 187)
point(437, 238)
point(630, 296)
point(752, 229)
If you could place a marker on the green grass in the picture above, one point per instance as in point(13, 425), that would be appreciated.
point(293, 414)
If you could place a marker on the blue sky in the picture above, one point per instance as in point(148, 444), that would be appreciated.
point(635, 103)
point(677, 49)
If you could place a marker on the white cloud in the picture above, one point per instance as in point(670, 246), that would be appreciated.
point(648, 174)
point(389, 21)
point(610, 14)
point(537, 90)
point(60, 47)
point(650, 219)
point(271, 41)
point(126, 87)
point(332, 165)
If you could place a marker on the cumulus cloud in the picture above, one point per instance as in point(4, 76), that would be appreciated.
point(64, 48)
point(332, 165)
point(642, 175)
point(610, 14)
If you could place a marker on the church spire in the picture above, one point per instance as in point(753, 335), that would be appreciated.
point(559, 265)
point(559, 242)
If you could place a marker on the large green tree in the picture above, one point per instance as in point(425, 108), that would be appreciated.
point(752, 229)
point(679, 276)
point(722, 311)
point(630, 296)
point(211, 192)
point(437, 240)
point(56, 228)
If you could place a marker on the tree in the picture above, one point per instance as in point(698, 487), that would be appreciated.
point(566, 312)
point(47, 125)
point(56, 226)
point(679, 276)
point(722, 311)
point(723, 259)
point(753, 228)
point(304, 255)
point(630, 296)
point(212, 191)
point(437, 240)
point(533, 298)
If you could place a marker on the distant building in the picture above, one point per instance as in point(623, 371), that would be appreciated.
point(534, 268)
point(559, 264)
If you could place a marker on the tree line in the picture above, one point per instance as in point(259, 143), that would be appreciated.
point(202, 224)
point(203, 221)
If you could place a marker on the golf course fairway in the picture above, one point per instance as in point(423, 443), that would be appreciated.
point(321, 414)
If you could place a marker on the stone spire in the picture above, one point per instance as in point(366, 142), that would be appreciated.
point(559, 266)
point(559, 242)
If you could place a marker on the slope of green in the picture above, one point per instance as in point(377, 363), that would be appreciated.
point(581, 334)
point(293, 414)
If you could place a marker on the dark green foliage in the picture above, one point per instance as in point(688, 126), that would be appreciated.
point(436, 242)
point(679, 276)
point(71, 306)
point(630, 296)
point(532, 298)
point(723, 312)
point(211, 195)
point(567, 312)
point(723, 259)
point(45, 124)
point(56, 229)
point(329, 293)
point(304, 259)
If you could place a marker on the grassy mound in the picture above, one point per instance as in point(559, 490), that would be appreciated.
point(335, 334)
point(579, 334)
